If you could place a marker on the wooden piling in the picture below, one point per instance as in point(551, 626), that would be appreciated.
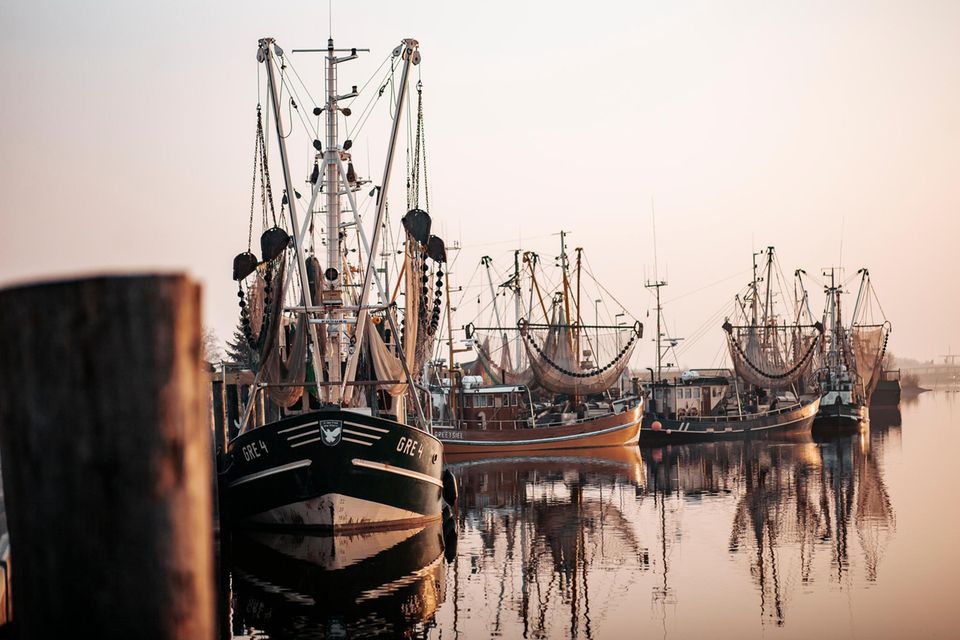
point(106, 458)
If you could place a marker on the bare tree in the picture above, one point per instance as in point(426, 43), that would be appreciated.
point(211, 346)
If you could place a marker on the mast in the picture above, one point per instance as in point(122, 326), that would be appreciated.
point(579, 251)
point(768, 301)
point(333, 295)
point(656, 288)
point(518, 306)
point(531, 259)
point(564, 268)
point(754, 311)
point(833, 300)
point(485, 261)
point(452, 402)
point(266, 48)
point(861, 294)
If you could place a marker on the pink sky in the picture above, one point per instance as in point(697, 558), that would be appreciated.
point(127, 135)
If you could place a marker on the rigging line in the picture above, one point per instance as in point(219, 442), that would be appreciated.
point(704, 287)
point(778, 271)
point(704, 328)
point(302, 83)
point(718, 357)
point(589, 271)
point(372, 76)
point(296, 96)
point(393, 89)
point(289, 118)
point(877, 300)
point(306, 126)
point(490, 244)
point(781, 279)
point(463, 293)
point(369, 106)
point(283, 83)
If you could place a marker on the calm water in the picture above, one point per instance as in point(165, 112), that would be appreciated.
point(848, 537)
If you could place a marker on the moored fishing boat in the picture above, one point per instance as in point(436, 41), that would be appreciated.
point(784, 417)
point(852, 359)
point(762, 397)
point(332, 434)
point(888, 390)
point(553, 392)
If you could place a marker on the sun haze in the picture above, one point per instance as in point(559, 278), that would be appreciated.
point(829, 130)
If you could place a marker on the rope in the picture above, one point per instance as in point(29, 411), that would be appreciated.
point(302, 84)
point(371, 103)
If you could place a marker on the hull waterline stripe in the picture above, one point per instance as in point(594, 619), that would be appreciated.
point(400, 471)
point(269, 472)
point(579, 436)
point(315, 423)
point(368, 444)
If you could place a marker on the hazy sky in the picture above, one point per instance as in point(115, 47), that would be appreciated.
point(128, 127)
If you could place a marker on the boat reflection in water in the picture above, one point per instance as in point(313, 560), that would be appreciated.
point(797, 508)
point(546, 546)
point(386, 583)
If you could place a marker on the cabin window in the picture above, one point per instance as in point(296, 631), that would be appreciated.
point(498, 401)
point(513, 399)
point(467, 401)
point(696, 392)
point(686, 393)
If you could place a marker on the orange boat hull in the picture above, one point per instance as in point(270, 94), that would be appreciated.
point(615, 430)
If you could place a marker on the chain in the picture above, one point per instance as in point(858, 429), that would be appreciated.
point(416, 150)
point(266, 193)
point(579, 374)
point(253, 185)
point(774, 376)
point(423, 143)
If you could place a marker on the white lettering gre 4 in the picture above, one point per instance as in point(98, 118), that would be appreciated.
point(410, 447)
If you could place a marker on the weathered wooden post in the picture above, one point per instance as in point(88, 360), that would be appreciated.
point(106, 458)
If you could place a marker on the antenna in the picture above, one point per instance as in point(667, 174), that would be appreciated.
point(843, 220)
point(653, 219)
point(656, 285)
